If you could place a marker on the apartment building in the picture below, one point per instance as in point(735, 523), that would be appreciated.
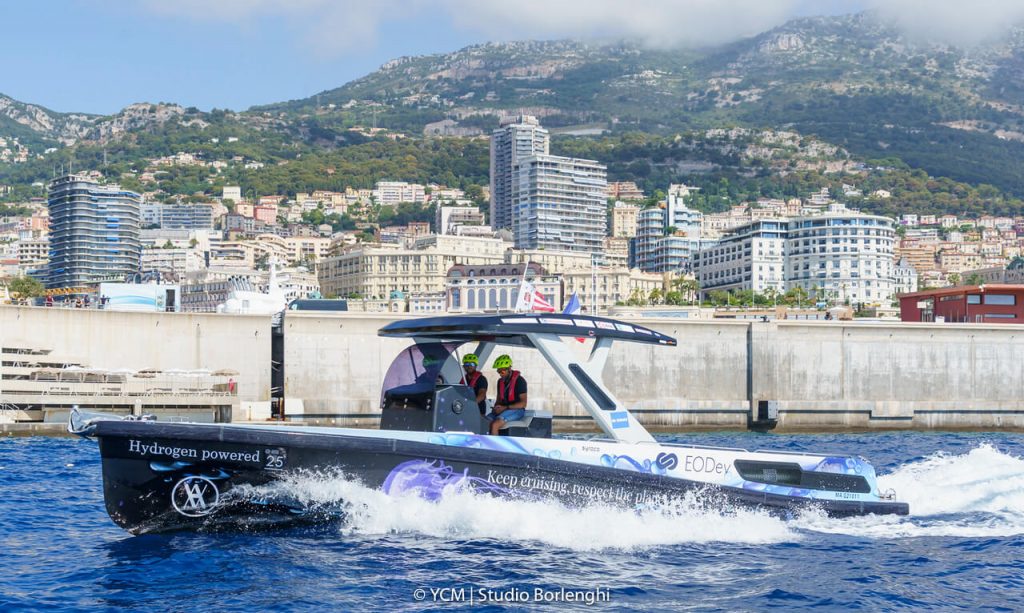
point(376, 270)
point(559, 203)
point(841, 254)
point(173, 216)
point(94, 232)
point(668, 235)
point(624, 220)
point(391, 193)
point(751, 257)
point(448, 218)
point(516, 139)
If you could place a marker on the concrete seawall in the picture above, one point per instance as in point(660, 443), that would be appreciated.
point(111, 340)
point(823, 375)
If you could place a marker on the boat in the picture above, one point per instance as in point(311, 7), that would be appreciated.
point(432, 440)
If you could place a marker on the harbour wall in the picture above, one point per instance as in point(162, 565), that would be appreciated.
point(820, 375)
point(113, 340)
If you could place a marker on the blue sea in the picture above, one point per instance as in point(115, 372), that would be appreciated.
point(962, 547)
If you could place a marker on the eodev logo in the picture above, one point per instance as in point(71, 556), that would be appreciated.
point(195, 496)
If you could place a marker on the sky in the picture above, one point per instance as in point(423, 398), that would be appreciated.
point(98, 56)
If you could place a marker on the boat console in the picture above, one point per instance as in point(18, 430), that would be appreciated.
point(440, 408)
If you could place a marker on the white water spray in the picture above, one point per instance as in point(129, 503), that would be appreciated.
point(976, 494)
point(463, 514)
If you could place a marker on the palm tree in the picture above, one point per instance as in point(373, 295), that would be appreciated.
point(687, 287)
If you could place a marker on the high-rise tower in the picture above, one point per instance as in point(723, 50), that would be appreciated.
point(560, 204)
point(94, 232)
point(518, 138)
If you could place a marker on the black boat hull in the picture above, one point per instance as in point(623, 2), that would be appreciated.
point(159, 477)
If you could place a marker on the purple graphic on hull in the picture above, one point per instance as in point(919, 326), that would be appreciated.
point(430, 479)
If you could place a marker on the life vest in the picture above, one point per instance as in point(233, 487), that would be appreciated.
point(473, 378)
point(511, 392)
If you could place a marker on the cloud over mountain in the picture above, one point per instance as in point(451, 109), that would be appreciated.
point(330, 27)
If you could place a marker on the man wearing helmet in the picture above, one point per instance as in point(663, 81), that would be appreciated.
point(475, 379)
point(510, 405)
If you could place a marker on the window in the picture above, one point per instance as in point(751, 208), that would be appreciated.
point(1000, 299)
point(973, 299)
point(1000, 316)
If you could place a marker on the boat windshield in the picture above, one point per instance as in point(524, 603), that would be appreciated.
point(418, 368)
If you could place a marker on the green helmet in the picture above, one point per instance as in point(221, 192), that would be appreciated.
point(502, 361)
point(429, 360)
point(470, 358)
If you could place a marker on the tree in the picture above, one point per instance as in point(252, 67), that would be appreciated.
point(674, 298)
point(636, 298)
point(974, 279)
point(719, 297)
point(26, 287)
point(168, 244)
point(687, 287)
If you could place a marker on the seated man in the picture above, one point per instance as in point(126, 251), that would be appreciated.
point(510, 405)
point(431, 364)
point(476, 380)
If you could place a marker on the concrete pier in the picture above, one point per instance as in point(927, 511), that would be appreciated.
point(822, 375)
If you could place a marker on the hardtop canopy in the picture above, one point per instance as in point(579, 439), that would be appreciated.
point(514, 328)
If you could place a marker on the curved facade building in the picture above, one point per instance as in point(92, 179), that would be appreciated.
point(94, 232)
point(842, 255)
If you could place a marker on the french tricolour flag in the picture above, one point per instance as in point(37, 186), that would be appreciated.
point(573, 306)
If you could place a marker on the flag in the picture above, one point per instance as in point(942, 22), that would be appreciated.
point(541, 304)
point(573, 306)
point(532, 300)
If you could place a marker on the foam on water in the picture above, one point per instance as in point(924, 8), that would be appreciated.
point(977, 494)
point(463, 514)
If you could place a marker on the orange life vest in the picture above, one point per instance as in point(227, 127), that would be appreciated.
point(510, 393)
point(473, 378)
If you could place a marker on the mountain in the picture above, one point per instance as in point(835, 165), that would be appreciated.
point(38, 127)
point(850, 79)
point(850, 90)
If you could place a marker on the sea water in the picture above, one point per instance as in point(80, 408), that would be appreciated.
point(962, 547)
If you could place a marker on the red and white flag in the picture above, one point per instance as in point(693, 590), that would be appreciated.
point(532, 300)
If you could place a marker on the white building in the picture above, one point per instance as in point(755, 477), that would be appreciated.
point(904, 277)
point(495, 287)
point(448, 218)
point(232, 192)
point(751, 257)
point(391, 193)
point(841, 255)
point(559, 203)
point(517, 138)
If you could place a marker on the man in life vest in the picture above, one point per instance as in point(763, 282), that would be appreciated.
point(476, 380)
point(510, 405)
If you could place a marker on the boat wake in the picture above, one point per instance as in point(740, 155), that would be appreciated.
point(463, 514)
point(976, 494)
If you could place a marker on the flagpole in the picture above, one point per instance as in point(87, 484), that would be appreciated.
point(522, 283)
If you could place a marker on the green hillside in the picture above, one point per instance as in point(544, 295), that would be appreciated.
point(859, 104)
